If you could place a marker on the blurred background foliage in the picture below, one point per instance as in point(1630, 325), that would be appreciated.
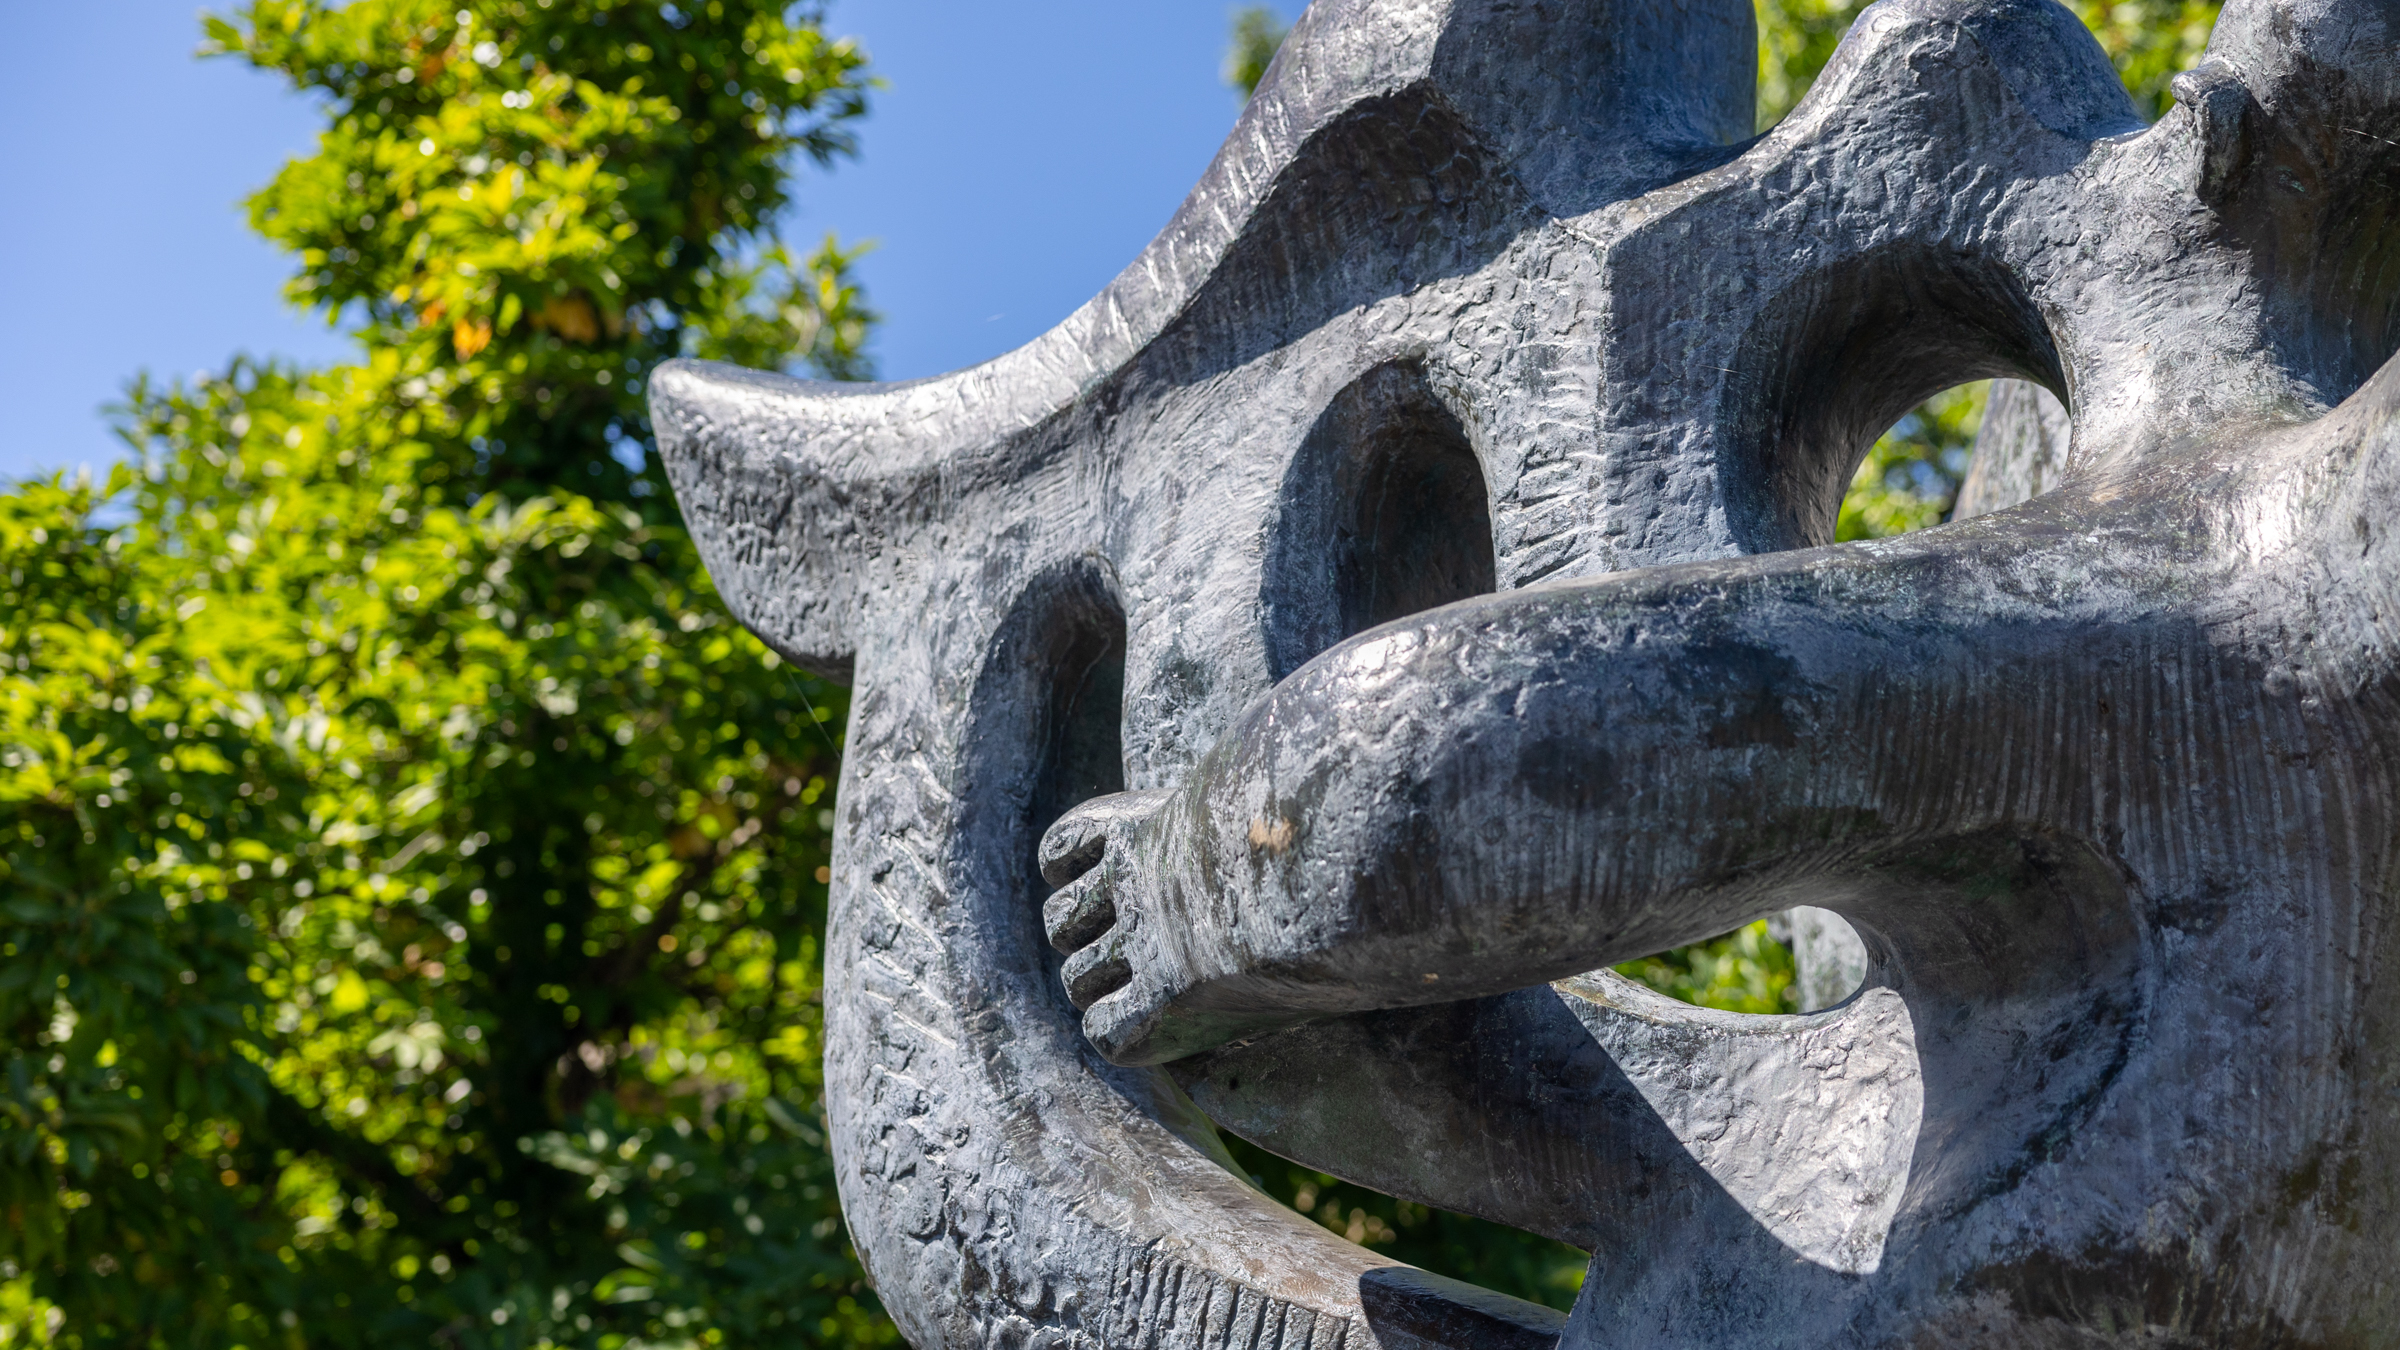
point(1258, 33)
point(411, 879)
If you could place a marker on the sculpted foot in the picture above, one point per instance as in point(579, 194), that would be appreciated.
point(1117, 974)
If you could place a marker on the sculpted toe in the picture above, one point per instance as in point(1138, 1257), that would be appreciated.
point(1079, 912)
point(1097, 971)
point(1077, 842)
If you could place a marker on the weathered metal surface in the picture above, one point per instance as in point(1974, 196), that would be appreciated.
point(1494, 296)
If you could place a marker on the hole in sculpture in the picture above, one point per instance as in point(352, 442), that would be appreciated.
point(1866, 390)
point(1965, 452)
point(1847, 368)
point(1911, 476)
point(1384, 514)
point(1749, 970)
point(1915, 475)
point(1800, 961)
point(1083, 750)
point(1078, 737)
point(1082, 746)
point(1936, 463)
point(1046, 736)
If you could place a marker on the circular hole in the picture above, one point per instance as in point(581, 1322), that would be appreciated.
point(1844, 358)
point(1384, 513)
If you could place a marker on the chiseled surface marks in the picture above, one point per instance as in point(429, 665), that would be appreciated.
point(2102, 779)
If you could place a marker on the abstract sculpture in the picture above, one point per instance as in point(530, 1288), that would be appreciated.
point(1403, 588)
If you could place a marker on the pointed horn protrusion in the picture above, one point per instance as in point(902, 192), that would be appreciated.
point(798, 492)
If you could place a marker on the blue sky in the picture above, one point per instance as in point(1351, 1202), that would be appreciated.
point(1021, 156)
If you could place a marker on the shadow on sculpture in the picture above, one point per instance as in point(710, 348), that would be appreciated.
point(1685, 1148)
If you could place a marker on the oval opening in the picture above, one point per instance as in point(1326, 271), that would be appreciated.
point(1082, 738)
point(1046, 735)
point(1803, 960)
point(1965, 452)
point(1384, 513)
point(1077, 727)
point(1843, 357)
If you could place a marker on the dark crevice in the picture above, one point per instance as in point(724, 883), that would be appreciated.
point(1083, 746)
point(1384, 513)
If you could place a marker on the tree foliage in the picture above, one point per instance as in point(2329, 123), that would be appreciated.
point(1257, 33)
point(527, 205)
point(410, 878)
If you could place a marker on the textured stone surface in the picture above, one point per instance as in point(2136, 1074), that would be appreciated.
point(1425, 537)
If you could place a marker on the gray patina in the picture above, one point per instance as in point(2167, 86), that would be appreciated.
point(1416, 562)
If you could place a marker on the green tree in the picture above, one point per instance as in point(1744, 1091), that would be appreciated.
point(410, 878)
point(1258, 32)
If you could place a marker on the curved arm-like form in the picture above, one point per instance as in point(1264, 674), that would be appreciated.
point(1522, 787)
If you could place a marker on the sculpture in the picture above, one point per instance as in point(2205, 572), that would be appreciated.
point(1402, 588)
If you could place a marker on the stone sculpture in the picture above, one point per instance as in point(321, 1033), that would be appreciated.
point(1404, 592)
